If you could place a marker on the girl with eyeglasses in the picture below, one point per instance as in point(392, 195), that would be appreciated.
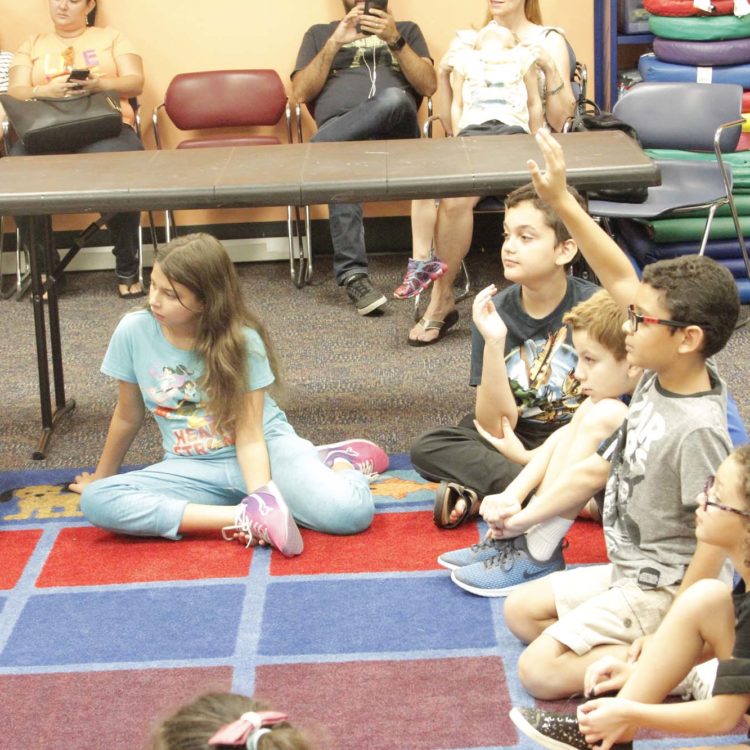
point(707, 620)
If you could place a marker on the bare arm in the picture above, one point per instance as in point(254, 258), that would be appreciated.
point(419, 71)
point(602, 253)
point(252, 453)
point(568, 494)
point(707, 562)
point(123, 427)
point(457, 101)
point(20, 85)
point(128, 81)
point(308, 82)
point(444, 107)
point(495, 398)
point(553, 60)
point(604, 720)
point(533, 101)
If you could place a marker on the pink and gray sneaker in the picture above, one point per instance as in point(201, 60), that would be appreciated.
point(363, 455)
point(264, 515)
point(419, 275)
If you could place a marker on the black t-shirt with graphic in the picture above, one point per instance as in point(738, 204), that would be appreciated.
point(733, 676)
point(540, 359)
point(356, 64)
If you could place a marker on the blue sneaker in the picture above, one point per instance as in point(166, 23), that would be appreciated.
point(508, 570)
point(460, 558)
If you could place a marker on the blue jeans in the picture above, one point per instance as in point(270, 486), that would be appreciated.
point(123, 227)
point(391, 113)
point(151, 501)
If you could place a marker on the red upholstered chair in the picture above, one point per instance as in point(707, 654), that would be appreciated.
point(240, 101)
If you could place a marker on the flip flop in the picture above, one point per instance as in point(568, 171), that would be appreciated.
point(131, 295)
point(441, 326)
point(446, 497)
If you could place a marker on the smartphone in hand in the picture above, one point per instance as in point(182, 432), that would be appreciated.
point(379, 4)
point(78, 74)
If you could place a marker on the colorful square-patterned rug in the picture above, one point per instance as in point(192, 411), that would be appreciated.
point(363, 640)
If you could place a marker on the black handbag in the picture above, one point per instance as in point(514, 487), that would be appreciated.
point(592, 120)
point(52, 125)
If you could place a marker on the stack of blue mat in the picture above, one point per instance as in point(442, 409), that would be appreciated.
point(691, 45)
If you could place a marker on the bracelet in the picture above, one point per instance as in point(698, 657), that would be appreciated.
point(556, 90)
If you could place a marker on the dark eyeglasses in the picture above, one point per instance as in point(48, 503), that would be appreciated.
point(635, 319)
point(711, 503)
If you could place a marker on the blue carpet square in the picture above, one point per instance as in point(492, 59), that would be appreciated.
point(141, 625)
point(370, 615)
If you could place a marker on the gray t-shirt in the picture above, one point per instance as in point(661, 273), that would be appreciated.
point(350, 78)
point(666, 448)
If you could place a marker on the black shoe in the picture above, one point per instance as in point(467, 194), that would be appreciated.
point(363, 294)
point(555, 731)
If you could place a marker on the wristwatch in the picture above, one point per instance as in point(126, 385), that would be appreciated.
point(398, 44)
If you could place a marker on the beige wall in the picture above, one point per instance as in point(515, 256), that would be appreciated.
point(181, 35)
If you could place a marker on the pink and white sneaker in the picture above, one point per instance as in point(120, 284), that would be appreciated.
point(363, 455)
point(265, 516)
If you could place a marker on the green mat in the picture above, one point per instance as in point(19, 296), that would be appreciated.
point(700, 29)
point(686, 229)
point(738, 160)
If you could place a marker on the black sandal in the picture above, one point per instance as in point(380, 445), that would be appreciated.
point(446, 497)
point(129, 294)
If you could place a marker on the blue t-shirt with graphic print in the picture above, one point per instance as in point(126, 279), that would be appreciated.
point(167, 377)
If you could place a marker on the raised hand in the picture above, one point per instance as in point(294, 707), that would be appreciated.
point(550, 183)
point(486, 318)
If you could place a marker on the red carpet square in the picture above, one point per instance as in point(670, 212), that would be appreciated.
point(80, 710)
point(17, 547)
point(394, 542)
point(585, 543)
point(415, 704)
point(84, 556)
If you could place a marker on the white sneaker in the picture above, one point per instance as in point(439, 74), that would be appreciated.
point(698, 684)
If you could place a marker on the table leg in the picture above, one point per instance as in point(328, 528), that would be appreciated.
point(40, 235)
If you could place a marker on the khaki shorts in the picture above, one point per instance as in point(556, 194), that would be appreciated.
point(593, 611)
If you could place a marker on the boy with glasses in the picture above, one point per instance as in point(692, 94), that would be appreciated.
point(674, 435)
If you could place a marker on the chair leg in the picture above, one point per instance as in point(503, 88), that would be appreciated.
point(740, 236)
point(4, 294)
point(152, 229)
point(463, 290)
point(23, 268)
point(299, 266)
point(709, 221)
point(308, 235)
point(170, 225)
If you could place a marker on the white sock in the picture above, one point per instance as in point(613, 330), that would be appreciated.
point(545, 537)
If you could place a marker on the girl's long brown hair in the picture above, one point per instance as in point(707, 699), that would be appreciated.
point(194, 724)
point(200, 263)
point(531, 10)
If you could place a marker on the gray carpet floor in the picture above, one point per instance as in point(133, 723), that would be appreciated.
point(344, 375)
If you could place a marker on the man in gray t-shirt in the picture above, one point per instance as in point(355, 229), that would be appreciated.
point(362, 78)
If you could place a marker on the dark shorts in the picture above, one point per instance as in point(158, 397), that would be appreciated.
point(491, 127)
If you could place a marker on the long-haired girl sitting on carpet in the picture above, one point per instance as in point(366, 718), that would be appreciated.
point(219, 721)
point(202, 364)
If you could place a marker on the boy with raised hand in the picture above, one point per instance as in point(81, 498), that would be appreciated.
point(565, 470)
point(521, 357)
point(673, 437)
